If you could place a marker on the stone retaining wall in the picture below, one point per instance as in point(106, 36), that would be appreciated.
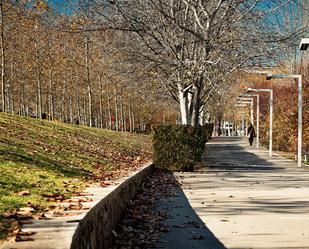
point(95, 230)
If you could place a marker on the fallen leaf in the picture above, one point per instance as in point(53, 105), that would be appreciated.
point(24, 193)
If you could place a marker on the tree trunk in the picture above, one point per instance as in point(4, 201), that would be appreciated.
point(85, 112)
point(116, 111)
point(190, 99)
point(63, 100)
point(10, 90)
point(89, 87)
point(183, 105)
point(124, 120)
point(106, 121)
point(23, 104)
point(130, 115)
point(109, 112)
point(12, 99)
point(101, 103)
point(71, 110)
point(196, 102)
point(78, 110)
point(133, 122)
point(3, 86)
point(78, 102)
point(50, 96)
point(201, 118)
point(121, 113)
point(39, 86)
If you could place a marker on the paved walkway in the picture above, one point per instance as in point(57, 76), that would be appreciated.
point(245, 198)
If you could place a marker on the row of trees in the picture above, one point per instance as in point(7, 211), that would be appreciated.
point(53, 67)
point(112, 64)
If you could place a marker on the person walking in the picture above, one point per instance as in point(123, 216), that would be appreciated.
point(251, 134)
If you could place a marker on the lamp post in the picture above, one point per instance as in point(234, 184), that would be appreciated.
point(247, 101)
point(300, 115)
point(242, 118)
point(242, 123)
point(257, 116)
point(271, 99)
point(239, 101)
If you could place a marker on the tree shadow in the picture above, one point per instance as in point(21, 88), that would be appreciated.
point(185, 228)
point(230, 166)
point(230, 156)
point(43, 161)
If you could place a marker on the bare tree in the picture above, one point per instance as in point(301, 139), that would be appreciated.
point(199, 43)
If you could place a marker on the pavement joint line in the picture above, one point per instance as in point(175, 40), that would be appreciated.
point(273, 203)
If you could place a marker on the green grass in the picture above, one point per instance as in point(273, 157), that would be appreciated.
point(45, 157)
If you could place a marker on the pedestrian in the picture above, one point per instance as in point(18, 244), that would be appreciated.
point(251, 134)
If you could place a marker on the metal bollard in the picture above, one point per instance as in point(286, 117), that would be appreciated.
point(305, 158)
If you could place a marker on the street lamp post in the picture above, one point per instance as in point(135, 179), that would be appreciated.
point(242, 119)
point(243, 123)
point(257, 116)
point(271, 100)
point(300, 115)
point(304, 44)
point(239, 101)
point(247, 101)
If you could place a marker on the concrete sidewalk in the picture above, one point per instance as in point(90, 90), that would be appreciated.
point(245, 198)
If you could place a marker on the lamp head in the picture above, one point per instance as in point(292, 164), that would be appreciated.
point(269, 77)
point(304, 44)
point(243, 95)
point(249, 89)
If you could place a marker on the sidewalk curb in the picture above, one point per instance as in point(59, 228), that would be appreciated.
point(91, 229)
point(95, 230)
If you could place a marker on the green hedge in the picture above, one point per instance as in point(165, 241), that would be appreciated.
point(208, 129)
point(179, 148)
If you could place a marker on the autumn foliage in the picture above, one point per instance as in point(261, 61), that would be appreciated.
point(285, 119)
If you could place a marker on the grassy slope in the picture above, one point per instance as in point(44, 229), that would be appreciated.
point(46, 158)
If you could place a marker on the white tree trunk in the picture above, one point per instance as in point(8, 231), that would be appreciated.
point(109, 113)
point(133, 122)
point(101, 103)
point(190, 97)
point(130, 116)
point(201, 118)
point(183, 105)
point(116, 111)
point(78, 109)
point(121, 113)
point(63, 100)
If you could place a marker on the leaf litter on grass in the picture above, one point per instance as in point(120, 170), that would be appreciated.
point(44, 163)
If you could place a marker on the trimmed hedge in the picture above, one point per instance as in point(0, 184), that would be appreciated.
point(208, 129)
point(179, 148)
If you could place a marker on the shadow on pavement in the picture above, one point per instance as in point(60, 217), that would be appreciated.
point(185, 229)
point(230, 156)
point(240, 189)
